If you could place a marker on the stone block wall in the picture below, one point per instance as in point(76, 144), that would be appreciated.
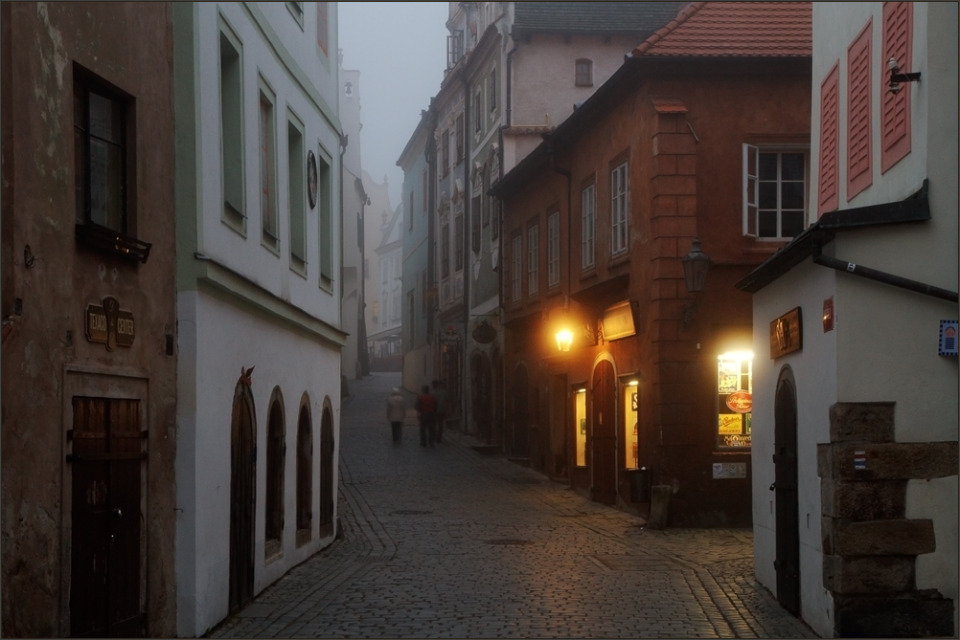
point(869, 545)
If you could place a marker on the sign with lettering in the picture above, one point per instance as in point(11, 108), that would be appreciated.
point(108, 325)
point(786, 334)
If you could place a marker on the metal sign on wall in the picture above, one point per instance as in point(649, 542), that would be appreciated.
point(786, 334)
point(109, 325)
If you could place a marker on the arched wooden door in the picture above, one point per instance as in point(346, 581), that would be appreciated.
point(243, 495)
point(787, 563)
point(603, 435)
point(328, 490)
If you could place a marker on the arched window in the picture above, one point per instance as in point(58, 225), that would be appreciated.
point(276, 451)
point(304, 473)
point(328, 489)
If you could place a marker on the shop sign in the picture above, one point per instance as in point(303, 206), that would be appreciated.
point(109, 325)
point(740, 401)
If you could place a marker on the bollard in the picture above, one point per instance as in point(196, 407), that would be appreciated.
point(659, 506)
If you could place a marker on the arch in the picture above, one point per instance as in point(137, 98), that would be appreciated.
point(785, 491)
point(602, 439)
point(276, 455)
point(304, 471)
point(243, 493)
point(328, 488)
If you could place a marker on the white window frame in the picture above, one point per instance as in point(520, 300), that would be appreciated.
point(750, 185)
point(516, 268)
point(533, 259)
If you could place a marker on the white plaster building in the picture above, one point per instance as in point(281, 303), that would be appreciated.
point(258, 305)
point(855, 390)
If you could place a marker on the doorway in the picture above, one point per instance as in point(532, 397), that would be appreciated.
point(243, 496)
point(107, 465)
point(787, 563)
point(603, 437)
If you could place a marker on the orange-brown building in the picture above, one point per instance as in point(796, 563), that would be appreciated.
point(620, 376)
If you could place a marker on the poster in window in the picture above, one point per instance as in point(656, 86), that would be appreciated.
point(730, 424)
point(728, 376)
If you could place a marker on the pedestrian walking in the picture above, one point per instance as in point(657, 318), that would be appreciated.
point(440, 393)
point(396, 412)
point(426, 407)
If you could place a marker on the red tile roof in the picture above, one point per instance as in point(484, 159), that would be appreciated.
point(735, 29)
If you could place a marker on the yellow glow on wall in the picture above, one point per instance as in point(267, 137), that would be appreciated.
point(580, 427)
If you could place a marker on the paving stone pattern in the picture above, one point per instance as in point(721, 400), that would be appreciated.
point(447, 542)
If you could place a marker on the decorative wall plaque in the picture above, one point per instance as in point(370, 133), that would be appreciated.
point(786, 334)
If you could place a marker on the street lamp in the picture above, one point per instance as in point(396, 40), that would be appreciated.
point(695, 267)
point(564, 339)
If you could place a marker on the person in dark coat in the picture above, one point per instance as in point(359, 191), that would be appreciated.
point(426, 407)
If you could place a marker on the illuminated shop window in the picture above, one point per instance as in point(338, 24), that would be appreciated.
point(734, 400)
point(630, 422)
point(580, 427)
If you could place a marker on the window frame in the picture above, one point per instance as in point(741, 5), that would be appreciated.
point(516, 267)
point(619, 208)
point(588, 234)
point(533, 257)
point(751, 188)
point(232, 130)
point(553, 248)
point(267, 151)
point(296, 193)
point(583, 72)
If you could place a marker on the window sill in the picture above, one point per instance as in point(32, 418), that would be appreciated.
point(104, 239)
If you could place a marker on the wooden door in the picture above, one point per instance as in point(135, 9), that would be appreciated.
point(787, 563)
point(603, 435)
point(243, 496)
point(107, 461)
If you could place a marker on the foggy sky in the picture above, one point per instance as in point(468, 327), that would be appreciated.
point(400, 50)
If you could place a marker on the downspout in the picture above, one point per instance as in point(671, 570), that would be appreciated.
point(880, 276)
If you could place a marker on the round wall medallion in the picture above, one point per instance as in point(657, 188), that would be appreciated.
point(312, 179)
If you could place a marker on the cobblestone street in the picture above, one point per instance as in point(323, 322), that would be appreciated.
point(449, 542)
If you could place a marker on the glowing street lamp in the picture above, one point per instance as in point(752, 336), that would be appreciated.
point(564, 339)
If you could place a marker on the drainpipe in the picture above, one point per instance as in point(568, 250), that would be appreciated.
point(880, 276)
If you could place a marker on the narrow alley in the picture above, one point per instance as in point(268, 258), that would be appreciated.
point(450, 542)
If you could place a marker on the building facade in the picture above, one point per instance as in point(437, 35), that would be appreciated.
point(855, 374)
point(258, 297)
point(89, 504)
point(386, 341)
point(625, 379)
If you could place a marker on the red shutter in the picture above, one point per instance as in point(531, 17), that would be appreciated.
point(828, 197)
point(897, 43)
point(859, 126)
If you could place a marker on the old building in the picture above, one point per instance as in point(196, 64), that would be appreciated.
point(625, 378)
point(89, 505)
point(855, 368)
point(258, 297)
point(386, 343)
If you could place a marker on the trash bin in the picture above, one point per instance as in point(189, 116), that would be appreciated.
point(639, 484)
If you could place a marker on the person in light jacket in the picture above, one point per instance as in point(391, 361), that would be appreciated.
point(396, 412)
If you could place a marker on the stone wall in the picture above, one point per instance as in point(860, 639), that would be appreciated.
point(869, 545)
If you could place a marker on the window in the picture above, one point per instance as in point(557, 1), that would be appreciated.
point(516, 267)
point(618, 209)
point(423, 193)
point(410, 213)
point(325, 205)
point(445, 251)
point(553, 249)
point(775, 192)
point(454, 48)
point(296, 196)
point(734, 400)
point(475, 206)
point(477, 111)
point(101, 155)
point(895, 115)
point(584, 72)
point(828, 189)
point(492, 90)
point(231, 129)
point(323, 27)
point(485, 198)
point(458, 242)
point(460, 134)
point(445, 152)
point(533, 259)
point(275, 464)
point(296, 10)
point(304, 475)
point(580, 427)
point(859, 120)
point(588, 213)
point(268, 176)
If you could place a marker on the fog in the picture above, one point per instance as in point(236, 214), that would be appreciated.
point(400, 50)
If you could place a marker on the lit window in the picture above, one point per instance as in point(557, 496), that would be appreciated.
point(734, 400)
point(580, 427)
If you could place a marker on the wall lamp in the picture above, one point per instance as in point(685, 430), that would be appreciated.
point(564, 339)
point(695, 267)
point(896, 78)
